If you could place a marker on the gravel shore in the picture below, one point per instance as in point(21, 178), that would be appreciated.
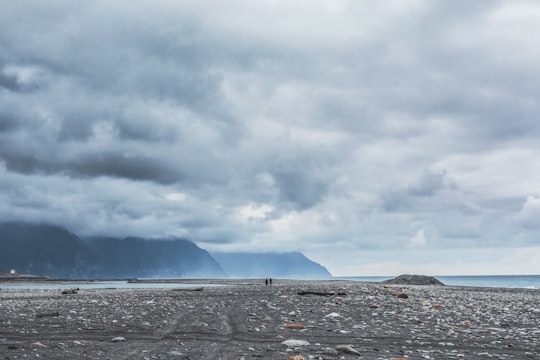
point(290, 320)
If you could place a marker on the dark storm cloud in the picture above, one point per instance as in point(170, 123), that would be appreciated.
point(300, 188)
point(128, 166)
point(9, 82)
point(424, 191)
point(8, 122)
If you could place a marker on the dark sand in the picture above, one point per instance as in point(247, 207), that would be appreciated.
point(245, 320)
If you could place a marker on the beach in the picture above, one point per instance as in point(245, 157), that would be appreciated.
point(292, 319)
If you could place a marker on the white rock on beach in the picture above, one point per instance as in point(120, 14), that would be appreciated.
point(295, 343)
point(333, 315)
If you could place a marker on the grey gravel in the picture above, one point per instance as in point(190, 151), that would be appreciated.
point(246, 320)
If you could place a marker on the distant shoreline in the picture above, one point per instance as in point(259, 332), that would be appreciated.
point(490, 281)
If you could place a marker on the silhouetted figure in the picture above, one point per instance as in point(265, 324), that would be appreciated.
point(270, 281)
point(266, 281)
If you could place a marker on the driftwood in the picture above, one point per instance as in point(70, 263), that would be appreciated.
point(321, 293)
point(51, 314)
point(188, 289)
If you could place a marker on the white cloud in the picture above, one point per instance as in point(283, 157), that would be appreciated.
point(419, 239)
point(529, 215)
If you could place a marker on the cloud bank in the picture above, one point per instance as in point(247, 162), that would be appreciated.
point(377, 137)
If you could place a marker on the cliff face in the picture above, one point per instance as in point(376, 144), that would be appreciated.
point(284, 265)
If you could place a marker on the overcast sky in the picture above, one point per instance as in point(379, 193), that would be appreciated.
point(377, 137)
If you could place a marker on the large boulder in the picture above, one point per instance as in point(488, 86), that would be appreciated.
point(407, 279)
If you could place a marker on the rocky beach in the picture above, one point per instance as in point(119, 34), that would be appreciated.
point(244, 319)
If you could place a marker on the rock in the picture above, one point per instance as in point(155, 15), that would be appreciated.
point(330, 351)
point(297, 357)
point(118, 339)
point(295, 343)
point(347, 349)
point(407, 279)
point(70, 291)
point(333, 315)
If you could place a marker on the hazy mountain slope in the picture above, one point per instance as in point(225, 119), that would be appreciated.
point(42, 249)
point(285, 265)
point(138, 257)
point(49, 250)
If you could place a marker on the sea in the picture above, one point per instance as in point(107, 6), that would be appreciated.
point(101, 285)
point(500, 281)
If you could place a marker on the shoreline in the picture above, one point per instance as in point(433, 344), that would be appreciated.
point(328, 319)
point(21, 279)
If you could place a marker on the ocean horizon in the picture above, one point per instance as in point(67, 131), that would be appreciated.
point(497, 281)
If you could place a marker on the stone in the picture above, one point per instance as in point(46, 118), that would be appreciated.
point(333, 315)
point(330, 351)
point(295, 343)
point(347, 349)
point(118, 339)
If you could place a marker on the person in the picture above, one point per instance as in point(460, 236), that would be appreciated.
point(266, 281)
point(270, 281)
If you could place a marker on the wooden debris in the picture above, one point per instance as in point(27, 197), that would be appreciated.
point(294, 326)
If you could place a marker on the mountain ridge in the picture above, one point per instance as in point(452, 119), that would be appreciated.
point(270, 264)
point(53, 251)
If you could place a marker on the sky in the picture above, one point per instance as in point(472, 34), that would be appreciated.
point(378, 137)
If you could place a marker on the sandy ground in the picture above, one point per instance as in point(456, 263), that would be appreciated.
point(247, 320)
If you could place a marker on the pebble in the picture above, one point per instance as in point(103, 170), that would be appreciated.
point(251, 322)
point(291, 343)
point(348, 349)
point(118, 339)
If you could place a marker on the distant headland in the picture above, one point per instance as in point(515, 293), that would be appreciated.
point(53, 251)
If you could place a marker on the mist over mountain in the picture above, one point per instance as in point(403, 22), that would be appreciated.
point(49, 250)
point(43, 249)
point(284, 265)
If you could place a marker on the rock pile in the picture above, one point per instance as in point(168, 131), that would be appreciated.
point(407, 279)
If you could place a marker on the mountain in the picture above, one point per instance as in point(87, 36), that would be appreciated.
point(284, 265)
point(152, 258)
point(50, 250)
point(43, 249)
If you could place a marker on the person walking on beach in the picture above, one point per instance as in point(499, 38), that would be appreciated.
point(266, 281)
point(270, 281)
